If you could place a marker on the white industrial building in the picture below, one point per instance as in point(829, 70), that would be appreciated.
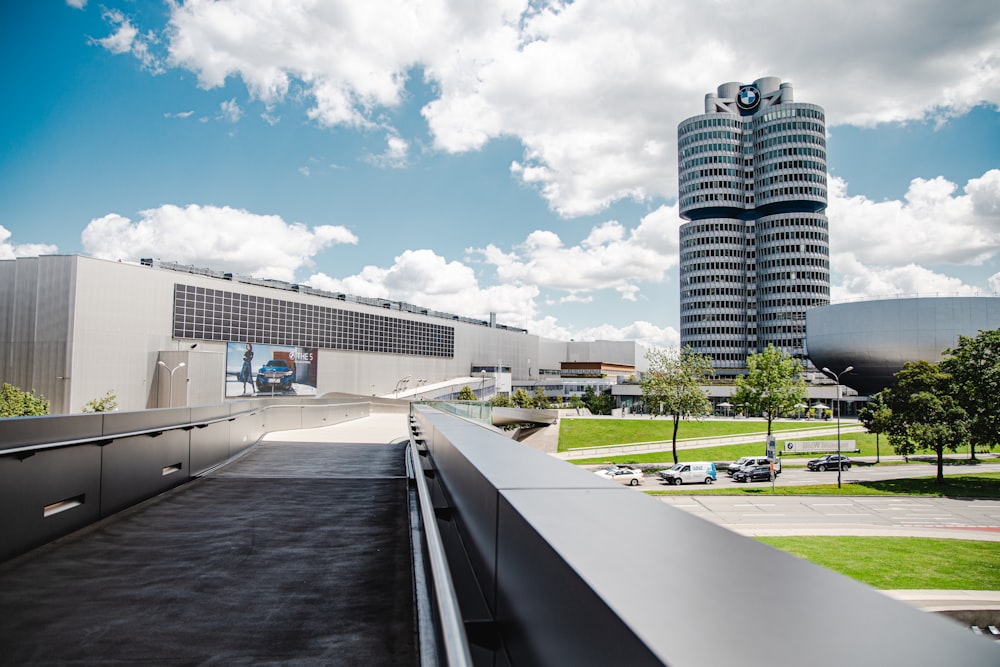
point(73, 328)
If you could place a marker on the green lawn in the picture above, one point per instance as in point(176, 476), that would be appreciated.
point(574, 433)
point(980, 485)
point(902, 562)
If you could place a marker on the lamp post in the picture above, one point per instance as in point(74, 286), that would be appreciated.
point(401, 382)
point(482, 384)
point(170, 399)
point(836, 377)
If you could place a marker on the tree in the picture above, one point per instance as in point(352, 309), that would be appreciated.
point(974, 366)
point(673, 384)
point(521, 399)
point(540, 400)
point(875, 416)
point(773, 385)
point(17, 403)
point(925, 414)
point(501, 401)
point(597, 403)
point(106, 403)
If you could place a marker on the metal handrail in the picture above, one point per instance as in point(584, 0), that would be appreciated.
point(456, 644)
point(108, 437)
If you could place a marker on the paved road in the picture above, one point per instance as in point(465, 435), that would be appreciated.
point(800, 476)
point(847, 515)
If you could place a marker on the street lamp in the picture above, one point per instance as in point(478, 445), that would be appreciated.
point(836, 376)
point(400, 383)
point(170, 400)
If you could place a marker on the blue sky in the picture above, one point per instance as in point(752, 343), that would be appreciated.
point(512, 157)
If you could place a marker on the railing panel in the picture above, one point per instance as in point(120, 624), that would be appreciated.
point(46, 495)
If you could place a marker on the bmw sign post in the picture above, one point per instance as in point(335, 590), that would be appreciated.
point(772, 453)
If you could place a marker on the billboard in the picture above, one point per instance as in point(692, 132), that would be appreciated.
point(270, 370)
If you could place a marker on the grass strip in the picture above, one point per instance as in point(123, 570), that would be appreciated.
point(902, 562)
point(574, 433)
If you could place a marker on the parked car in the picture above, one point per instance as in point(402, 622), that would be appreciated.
point(746, 462)
point(623, 475)
point(829, 462)
point(275, 375)
point(758, 473)
point(696, 472)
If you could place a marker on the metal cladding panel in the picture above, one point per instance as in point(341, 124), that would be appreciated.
point(209, 446)
point(550, 615)
point(473, 463)
point(21, 431)
point(27, 486)
point(140, 467)
point(566, 554)
point(144, 420)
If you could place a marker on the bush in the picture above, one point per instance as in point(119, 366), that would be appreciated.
point(17, 403)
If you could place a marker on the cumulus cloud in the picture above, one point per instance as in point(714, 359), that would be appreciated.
point(264, 246)
point(908, 246)
point(395, 154)
point(77, 4)
point(593, 88)
point(230, 111)
point(935, 223)
point(11, 250)
point(424, 278)
point(611, 256)
point(126, 38)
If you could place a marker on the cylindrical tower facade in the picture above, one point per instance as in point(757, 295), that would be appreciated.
point(755, 254)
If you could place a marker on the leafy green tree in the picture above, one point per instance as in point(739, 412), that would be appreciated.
point(521, 399)
point(974, 366)
point(540, 400)
point(466, 394)
point(501, 401)
point(597, 403)
point(673, 384)
point(925, 413)
point(17, 403)
point(106, 403)
point(875, 415)
point(772, 386)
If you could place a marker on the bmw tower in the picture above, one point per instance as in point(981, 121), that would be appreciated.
point(754, 252)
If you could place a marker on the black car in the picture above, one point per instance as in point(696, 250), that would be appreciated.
point(829, 462)
point(754, 474)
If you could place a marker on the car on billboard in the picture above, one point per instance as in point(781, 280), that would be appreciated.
point(274, 376)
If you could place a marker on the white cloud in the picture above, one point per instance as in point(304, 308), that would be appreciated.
point(861, 281)
point(264, 246)
point(179, 114)
point(610, 257)
point(10, 250)
point(230, 111)
point(77, 4)
point(395, 154)
point(594, 88)
point(127, 39)
point(933, 224)
point(304, 171)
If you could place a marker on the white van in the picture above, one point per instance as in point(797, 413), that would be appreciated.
point(747, 462)
point(691, 473)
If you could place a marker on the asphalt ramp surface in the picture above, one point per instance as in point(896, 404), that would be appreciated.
point(298, 554)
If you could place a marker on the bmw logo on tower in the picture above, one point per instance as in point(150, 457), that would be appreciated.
point(748, 98)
